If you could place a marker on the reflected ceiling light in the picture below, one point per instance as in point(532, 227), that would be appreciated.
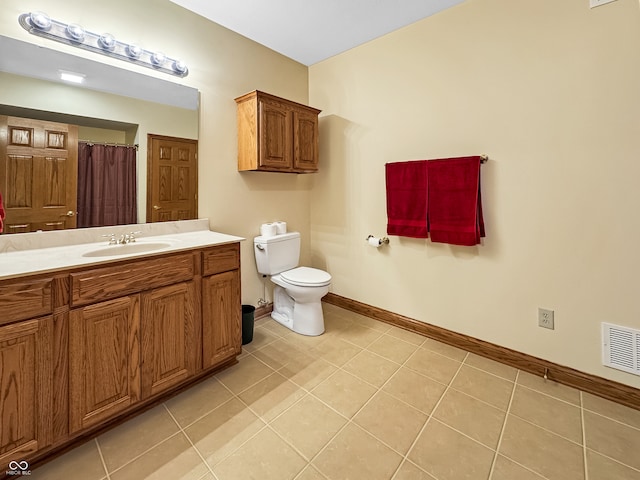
point(39, 23)
point(71, 77)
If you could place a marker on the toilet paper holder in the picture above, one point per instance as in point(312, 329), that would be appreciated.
point(381, 241)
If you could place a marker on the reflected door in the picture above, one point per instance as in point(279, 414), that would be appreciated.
point(38, 174)
point(172, 179)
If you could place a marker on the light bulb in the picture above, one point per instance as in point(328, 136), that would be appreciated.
point(107, 41)
point(75, 31)
point(40, 20)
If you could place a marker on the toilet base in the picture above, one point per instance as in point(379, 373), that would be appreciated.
point(302, 318)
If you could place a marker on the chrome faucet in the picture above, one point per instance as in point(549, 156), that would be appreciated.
point(124, 238)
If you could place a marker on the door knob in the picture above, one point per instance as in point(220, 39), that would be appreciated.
point(156, 207)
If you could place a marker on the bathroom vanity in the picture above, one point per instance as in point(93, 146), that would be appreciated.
point(91, 333)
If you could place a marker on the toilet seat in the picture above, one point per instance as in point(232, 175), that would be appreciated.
point(306, 277)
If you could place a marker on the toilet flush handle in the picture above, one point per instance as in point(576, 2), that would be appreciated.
point(259, 247)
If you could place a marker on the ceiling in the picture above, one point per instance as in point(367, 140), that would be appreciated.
point(310, 31)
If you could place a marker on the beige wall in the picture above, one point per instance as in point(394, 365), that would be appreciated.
point(550, 90)
point(223, 66)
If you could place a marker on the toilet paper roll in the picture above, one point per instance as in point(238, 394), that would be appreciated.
point(374, 241)
point(268, 229)
point(281, 227)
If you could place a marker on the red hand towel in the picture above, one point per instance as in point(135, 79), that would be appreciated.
point(2, 214)
point(407, 198)
point(455, 207)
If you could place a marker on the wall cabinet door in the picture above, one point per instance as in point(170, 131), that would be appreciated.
point(170, 337)
point(25, 389)
point(275, 135)
point(104, 360)
point(221, 318)
point(305, 136)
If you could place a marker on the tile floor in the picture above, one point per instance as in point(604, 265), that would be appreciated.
point(365, 401)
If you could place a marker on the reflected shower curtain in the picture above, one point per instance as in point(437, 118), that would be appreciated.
point(106, 185)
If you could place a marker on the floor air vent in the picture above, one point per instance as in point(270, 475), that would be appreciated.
point(620, 348)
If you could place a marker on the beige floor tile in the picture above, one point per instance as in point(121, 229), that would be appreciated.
point(491, 366)
point(409, 471)
point(208, 476)
point(354, 454)
point(415, 389)
point(308, 372)
point(359, 334)
point(613, 439)
point(310, 473)
point(307, 342)
point(449, 455)
point(266, 457)
point(337, 351)
point(197, 401)
point(174, 458)
point(244, 374)
point(308, 425)
point(505, 469)
point(392, 348)
point(433, 365)
point(603, 468)
point(406, 335)
point(392, 421)
point(611, 409)
point(344, 392)
point(371, 368)
point(223, 430)
point(369, 322)
point(549, 387)
point(484, 386)
point(280, 353)
point(543, 452)
point(261, 337)
point(275, 327)
point(148, 429)
point(81, 463)
point(547, 412)
point(444, 349)
point(480, 421)
point(271, 396)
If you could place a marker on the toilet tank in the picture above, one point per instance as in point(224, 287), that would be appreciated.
point(278, 253)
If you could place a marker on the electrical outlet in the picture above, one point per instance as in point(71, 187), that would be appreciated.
point(597, 3)
point(545, 318)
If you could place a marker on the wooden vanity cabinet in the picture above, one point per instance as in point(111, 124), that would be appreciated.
point(221, 315)
point(276, 135)
point(104, 352)
point(82, 348)
point(25, 389)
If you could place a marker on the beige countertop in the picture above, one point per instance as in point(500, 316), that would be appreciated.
point(35, 253)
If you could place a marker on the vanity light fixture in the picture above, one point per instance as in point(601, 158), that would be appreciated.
point(39, 23)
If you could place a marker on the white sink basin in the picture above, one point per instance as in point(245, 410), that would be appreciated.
point(127, 249)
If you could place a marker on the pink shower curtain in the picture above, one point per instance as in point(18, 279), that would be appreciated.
point(106, 185)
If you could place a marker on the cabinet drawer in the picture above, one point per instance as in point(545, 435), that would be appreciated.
point(25, 299)
point(221, 259)
point(111, 282)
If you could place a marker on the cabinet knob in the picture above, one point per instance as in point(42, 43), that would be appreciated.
point(70, 213)
point(156, 207)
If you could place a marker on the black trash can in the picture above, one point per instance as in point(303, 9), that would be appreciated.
point(247, 323)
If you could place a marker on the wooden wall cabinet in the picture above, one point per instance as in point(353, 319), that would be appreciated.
point(82, 348)
point(276, 135)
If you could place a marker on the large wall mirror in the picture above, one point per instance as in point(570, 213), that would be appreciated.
point(112, 106)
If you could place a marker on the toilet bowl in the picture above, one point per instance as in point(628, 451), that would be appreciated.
point(298, 290)
point(302, 311)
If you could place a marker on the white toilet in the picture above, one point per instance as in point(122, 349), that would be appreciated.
point(296, 297)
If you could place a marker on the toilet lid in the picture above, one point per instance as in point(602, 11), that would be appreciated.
point(305, 276)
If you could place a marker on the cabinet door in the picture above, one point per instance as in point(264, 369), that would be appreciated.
point(221, 318)
point(104, 360)
point(25, 389)
point(170, 337)
point(305, 137)
point(275, 129)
